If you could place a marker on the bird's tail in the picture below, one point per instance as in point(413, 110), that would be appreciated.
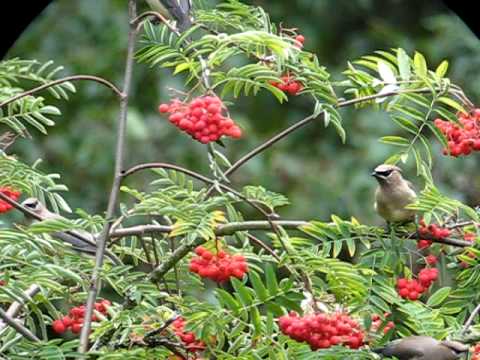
point(378, 350)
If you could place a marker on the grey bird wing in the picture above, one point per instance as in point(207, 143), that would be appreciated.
point(411, 348)
point(180, 11)
point(403, 354)
point(79, 244)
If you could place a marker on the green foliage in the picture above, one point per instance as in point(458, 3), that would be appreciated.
point(340, 265)
point(29, 109)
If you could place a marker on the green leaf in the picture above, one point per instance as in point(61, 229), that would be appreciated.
point(258, 286)
point(403, 64)
point(452, 103)
point(438, 297)
point(271, 279)
point(420, 64)
point(395, 140)
point(442, 69)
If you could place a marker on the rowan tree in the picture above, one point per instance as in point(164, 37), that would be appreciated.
point(199, 276)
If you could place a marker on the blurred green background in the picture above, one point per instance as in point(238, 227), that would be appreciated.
point(319, 174)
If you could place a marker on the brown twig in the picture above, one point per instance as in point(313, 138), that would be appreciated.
point(119, 163)
point(60, 81)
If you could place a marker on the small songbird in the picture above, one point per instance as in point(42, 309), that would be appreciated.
point(81, 241)
point(179, 10)
point(423, 348)
point(393, 194)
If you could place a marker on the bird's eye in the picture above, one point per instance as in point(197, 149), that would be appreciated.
point(384, 173)
point(31, 205)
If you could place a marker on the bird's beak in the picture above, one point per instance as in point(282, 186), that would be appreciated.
point(374, 174)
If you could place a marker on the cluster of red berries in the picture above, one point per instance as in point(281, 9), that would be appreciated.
point(201, 118)
point(74, 319)
point(187, 337)
point(464, 139)
point(288, 85)
point(219, 267)
point(322, 331)
point(432, 230)
point(412, 289)
point(377, 322)
point(12, 194)
point(476, 352)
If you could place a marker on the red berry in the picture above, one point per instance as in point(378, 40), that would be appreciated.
point(67, 321)
point(413, 295)
point(163, 108)
point(58, 326)
point(402, 282)
point(199, 250)
point(293, 88)
point(300, 38)
point(431, 259)
point(77, 327)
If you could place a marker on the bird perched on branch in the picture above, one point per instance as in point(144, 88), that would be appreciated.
point(179, 10)
point(393, 194)
point(81, 241)
point(423, 348)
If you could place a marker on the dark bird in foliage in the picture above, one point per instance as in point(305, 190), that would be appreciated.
point(81, 241)
point(179, 10)
point(423, 348)
point(393, 194)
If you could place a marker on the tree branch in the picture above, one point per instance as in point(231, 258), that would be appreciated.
point(222, 230)
point(469, 322)
point(119, 163)
point(63, 80)
point(9, 320)
point(270, 142)
point(16, 306)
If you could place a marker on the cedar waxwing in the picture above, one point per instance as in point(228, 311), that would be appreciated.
point(423, 348)
point(179, 10)
point(393, 194)
point(84, 243)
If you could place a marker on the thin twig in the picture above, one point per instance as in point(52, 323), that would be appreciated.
point(9, 320)
point(119, 163)
point(264, 246)
point(60, 81)
point(469, 322)
point(16, 306)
